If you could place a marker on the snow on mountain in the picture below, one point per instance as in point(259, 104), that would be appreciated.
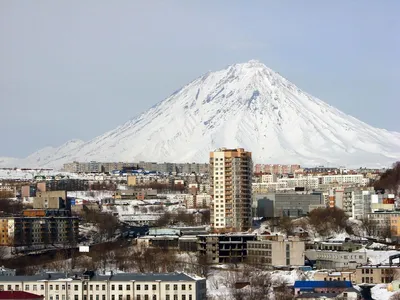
point(245, 105)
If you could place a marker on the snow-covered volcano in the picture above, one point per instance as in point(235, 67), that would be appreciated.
point(245, 105)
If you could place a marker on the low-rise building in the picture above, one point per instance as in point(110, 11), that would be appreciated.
point(376, 274)
point(127, 286)
point(336, 260)
point(335, 276)
point(276, 251)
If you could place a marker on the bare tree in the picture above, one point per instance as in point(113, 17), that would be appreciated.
point(285, 224)
point(369, 226)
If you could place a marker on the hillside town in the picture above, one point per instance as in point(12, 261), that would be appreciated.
point(226, 229)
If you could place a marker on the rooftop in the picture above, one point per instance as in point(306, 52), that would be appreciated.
point(322, 284)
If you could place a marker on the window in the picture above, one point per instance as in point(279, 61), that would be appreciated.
point(51, 287)
point(175, 287)
point(183, 287)
point(42, 287)
point(146, 297)
point(167, 297)
point(167, 287)
point(34, 287)
point(183, 297)
point(190, 297)
point(138, 287)
point(57, 297)
point(120, 297)
point(1, 287)
point(76, 297)
point(27, 287)
point(113, 287)
point(91, 287)
point(128, 297)
point(113, 297)
point(63, 287)
point(91, 297)
point(103, 297)
point(154, 297)
point(120, 287)
point(146, 287)
point(104, 287)
point(128, 287)
point(9, 287)
point(175, 297)
point(138, 297)
point(97, 287)
point(56, 287)
point(76, 287)
point(97, 297)
point(154, 287)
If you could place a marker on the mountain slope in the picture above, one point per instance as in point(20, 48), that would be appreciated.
point(245, 105)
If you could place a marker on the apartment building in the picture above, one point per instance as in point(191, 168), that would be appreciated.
point(32, 231)
point(202, 200)
point(51, 200)
point(354, 179)
point(231, 177)
point(276, 169)
point(276, 251)
point(387, 223)
point(376, 274)
point(124, 286)
point(224, 248)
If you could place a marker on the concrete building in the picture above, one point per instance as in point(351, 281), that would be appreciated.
point(34, 231)
point(276, 251)
point(231, 177)
point(335, 276)
point(294, 205)
point(354, 179)
point(336, 260)
point(276, 169)
point(124, 286)
point(376, 274)
point(387, 223)
point(51, 200)
point(224, 248)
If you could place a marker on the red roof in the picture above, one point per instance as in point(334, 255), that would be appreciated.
point(19, 295)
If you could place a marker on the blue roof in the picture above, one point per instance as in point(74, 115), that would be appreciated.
point(322, 284)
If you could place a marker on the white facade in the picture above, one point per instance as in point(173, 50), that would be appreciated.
point(338, 260)
point(342, 179)
point(125, 286)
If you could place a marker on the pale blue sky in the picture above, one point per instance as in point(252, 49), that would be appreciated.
point(75, 69)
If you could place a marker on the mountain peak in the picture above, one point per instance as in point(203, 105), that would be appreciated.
point(245, 105)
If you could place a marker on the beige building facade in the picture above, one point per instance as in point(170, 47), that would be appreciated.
point(231, 178)
point(276, 251)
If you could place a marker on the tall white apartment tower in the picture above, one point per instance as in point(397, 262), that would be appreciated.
point(231, 171)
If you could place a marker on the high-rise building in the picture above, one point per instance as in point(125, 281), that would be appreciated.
point(230, 172)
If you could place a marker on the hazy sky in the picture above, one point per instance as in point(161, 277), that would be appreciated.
point(75, 69)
